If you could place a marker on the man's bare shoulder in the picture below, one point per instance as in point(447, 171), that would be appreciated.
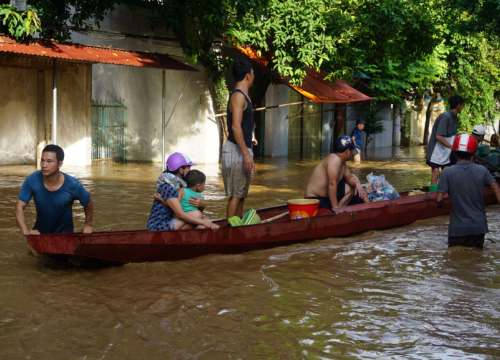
point(237, 99)
point(332, 160)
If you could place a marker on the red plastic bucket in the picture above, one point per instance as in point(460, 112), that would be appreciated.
point(302, 208)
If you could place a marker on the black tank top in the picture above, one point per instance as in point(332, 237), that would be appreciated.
point(247, 123)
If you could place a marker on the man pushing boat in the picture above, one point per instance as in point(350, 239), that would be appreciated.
point(54, 193)
point(332, 182)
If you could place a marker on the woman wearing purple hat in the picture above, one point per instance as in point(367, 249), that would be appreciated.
point(166, 212)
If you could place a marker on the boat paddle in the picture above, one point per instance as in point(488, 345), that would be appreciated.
point(276, 217)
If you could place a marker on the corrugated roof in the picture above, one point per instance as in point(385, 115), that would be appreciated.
point(90, 54)
point(317, 89)
point(314, 86)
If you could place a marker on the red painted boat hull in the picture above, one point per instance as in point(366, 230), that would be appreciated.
point(143, 245)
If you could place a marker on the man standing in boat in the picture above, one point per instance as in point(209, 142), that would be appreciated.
point(237, 155)
point(439, 153)
point(332, 181)
point(54, 193)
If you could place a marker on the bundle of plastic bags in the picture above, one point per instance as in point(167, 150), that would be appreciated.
point(379, 189)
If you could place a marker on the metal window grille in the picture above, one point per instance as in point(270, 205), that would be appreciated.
point(108, 132)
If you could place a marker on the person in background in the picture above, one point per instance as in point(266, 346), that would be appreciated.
point(479, 132)
point(464, 183)
point(332, 182)
point(441, 139)
point(484, 148)
point(54, 193)
point(237, 154)
point(166, 212)
point(357, 136)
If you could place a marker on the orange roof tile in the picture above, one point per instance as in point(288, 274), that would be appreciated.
point(90, 54)
point(314, 86)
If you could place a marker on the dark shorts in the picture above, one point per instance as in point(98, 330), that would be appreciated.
point(469, 241)
point(453, 161)
point(325, 203)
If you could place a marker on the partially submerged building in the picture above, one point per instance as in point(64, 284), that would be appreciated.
point(98, 101)
point(124, 92)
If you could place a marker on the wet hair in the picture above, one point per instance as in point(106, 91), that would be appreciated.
point(455, 101)
point(241, 67)
point(463, 155)
point(55, 149)
point(195, 177)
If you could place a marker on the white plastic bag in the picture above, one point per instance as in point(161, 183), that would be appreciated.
point(379, 188)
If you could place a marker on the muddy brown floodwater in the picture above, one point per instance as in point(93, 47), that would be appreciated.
point(392, 294)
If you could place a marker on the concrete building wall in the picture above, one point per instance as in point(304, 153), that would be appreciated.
point(191, 126)
point(26, 109)
point(384, 138)
point(415, 120)
point(73, 119)
point(328, 121)
point(276, 129)
point(188, 111)
point(18, 115)
point(385, 113)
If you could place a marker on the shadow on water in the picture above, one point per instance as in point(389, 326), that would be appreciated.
point(73, 263)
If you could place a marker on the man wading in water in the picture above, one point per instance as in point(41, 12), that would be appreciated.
point(54, 193)
point(237, 154)
point(332, 182)
point(465, 182)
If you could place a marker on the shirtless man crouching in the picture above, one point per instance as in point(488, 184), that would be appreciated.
point(332, 182)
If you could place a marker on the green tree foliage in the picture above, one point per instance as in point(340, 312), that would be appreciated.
point(398, 48)
point(475, 72)
point(294, 34)
point(473, 42)
point(59, 18)
point(19, 24)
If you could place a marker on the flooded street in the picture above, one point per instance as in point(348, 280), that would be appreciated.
point(399, 293)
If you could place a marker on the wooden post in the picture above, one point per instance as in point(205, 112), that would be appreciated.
point(163, 104)
point(302, 129)
point(340, 115)
point(54, 104)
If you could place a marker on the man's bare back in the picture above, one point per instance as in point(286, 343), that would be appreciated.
point(321, 176)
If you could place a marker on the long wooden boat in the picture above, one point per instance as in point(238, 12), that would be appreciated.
point(121, 247)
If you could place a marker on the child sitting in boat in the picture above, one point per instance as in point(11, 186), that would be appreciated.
point(195, 181)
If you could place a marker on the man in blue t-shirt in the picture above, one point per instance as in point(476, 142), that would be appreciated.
point(54, 193)
point(357, 139)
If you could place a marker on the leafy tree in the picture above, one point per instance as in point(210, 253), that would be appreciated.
point(19, 24)
point(59, 18)
point(474, 58)
point(293, 34)
point(397, 48)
